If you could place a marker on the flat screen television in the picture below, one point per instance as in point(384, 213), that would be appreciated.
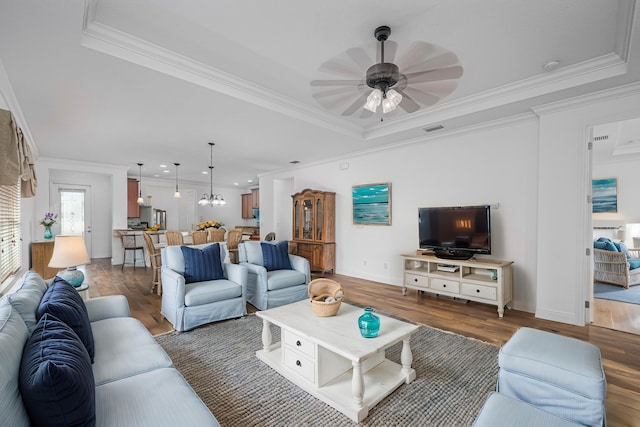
point(455, 232)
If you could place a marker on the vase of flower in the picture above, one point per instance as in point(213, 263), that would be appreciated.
point(369, 324)
point(48, 220)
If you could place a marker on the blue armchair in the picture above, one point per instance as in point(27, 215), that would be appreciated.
point(198, 288)
point(269, 287)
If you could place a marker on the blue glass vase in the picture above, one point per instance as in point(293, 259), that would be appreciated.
point(369, 324)
point(47, 233)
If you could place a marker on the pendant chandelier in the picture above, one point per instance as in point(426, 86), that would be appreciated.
point(212, 199)
point(177, 193)
point(140, 199)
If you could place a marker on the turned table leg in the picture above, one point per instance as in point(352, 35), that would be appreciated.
point(357, 384)
point(406, 358)
point(266, 335)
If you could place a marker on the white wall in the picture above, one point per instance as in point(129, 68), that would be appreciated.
point(486, 165)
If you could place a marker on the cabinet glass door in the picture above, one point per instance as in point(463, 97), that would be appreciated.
point(307, 213)
point(319, 219)
point(296, 219)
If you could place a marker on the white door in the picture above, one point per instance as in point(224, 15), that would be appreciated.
point(73, 202)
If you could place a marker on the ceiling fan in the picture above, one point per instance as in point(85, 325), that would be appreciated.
point(425, 74)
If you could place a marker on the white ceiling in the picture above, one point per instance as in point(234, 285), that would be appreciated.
point(153, 81)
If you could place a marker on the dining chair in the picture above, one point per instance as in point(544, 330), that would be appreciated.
point(271, 236)
point(233, 240)
point(174, 238)
point(199, 237)
point(130, 243)
point(216, 234)
point(156, 263)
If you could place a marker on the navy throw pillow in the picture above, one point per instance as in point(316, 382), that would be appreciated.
point(56, 379)
point(65, 303)
point(276, 256)
point(202, 264)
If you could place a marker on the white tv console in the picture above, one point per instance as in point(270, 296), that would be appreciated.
point(483, 280)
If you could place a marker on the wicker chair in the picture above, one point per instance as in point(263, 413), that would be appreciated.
point(199, 237)
point(156, 263)
point(233, 240)
point(216, 234)
point(612, 267)
point(174, 238)
point(270, 237)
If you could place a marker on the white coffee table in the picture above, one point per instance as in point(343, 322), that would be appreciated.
point(328, 358)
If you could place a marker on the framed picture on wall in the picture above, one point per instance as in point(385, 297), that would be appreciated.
point(372, 204)
point(605, 195)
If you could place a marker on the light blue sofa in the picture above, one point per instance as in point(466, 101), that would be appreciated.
point(135, 382)
point(268, 289)
point(188, 305)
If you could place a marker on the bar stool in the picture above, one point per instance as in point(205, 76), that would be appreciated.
point(130, 243)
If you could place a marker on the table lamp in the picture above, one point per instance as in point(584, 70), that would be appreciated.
point(69, 252)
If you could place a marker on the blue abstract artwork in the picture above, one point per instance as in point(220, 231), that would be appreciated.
point(605, 195)
point(372, 204)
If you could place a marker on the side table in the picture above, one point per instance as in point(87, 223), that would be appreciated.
point(83, 290)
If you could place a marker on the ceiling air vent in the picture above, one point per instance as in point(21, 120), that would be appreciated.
point(433, 128)
point(601, 138)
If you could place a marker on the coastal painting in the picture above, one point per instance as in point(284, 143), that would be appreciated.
point(372, 204)
point(605, 195)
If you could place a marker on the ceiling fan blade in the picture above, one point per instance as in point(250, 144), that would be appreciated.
point(424, 98)
point(341, 68)
point(338, 102)
point(442, 60)
point(408, 104)
point(365, 114)
point(360, 58)
point(358, 103)
point(448, 73)
point(334, 92)
point(440, 88)
point(335, 82)
point(415, 53)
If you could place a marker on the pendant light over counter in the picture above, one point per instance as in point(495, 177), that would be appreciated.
point(212, 199)
point(140, 199)
point(177, 193)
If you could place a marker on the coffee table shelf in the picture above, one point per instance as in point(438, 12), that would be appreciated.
point(329, 359)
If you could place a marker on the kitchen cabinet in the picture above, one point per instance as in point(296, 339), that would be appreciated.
point(314, 228)
point(133, 211)
point(255, 198)
point(247, 206)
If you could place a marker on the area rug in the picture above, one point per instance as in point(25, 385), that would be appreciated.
point(617, 293)
point(454, 376)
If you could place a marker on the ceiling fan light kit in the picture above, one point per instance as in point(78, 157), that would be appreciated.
point(429, 74)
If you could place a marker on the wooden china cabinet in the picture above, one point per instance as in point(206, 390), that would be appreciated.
point(314, 228)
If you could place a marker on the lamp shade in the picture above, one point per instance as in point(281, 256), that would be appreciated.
point(69, 251)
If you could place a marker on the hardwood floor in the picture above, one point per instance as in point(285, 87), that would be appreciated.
point(620, 350)
point(620, 316)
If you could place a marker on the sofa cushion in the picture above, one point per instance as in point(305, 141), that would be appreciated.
point(253, 251)
point(65, 303)
point(27, 298)
point(124, 348)
point(201, 293)
point(280, 279)
point(621, 247)
point(13, 336)
point(276, 256)
point(201, 264)
point(605, 244)
point(56, 380)
point(159, 398)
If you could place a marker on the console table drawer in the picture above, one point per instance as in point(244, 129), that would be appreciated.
point(445, 285)
point(302, 345)
point(300, 364)
point(416, 280)
point(486, 292)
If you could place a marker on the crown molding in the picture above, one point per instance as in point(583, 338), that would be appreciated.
point(591, 98)
point(108, 40)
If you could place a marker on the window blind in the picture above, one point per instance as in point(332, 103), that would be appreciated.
point(10, 238)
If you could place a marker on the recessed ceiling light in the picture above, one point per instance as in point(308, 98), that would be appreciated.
point(163, 166)
point(205, 173)
point(249, 180)
point(156, 175)
point(236, 183)
point(166, 171)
